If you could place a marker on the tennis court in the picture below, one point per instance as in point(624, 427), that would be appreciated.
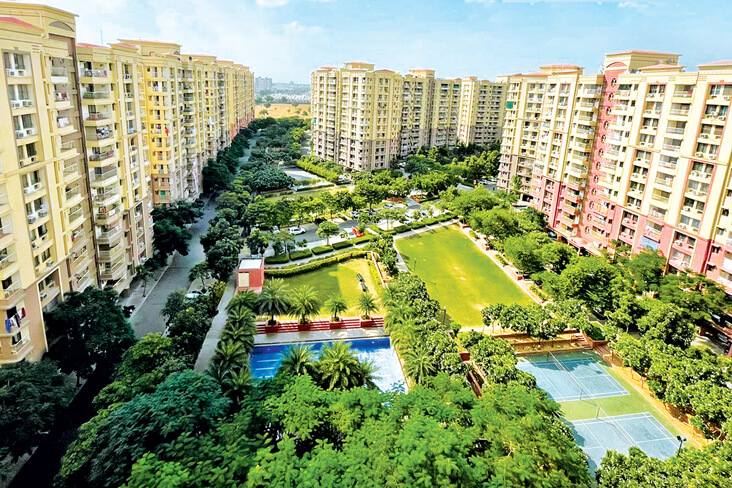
point(571, 376)
point(598, 435)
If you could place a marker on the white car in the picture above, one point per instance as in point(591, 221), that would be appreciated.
point(296, 230)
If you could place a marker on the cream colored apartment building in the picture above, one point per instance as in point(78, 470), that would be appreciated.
point(97, 135)
point(364, 118)
point(647, 160)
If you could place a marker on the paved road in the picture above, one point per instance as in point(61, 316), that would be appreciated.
point(147, 318)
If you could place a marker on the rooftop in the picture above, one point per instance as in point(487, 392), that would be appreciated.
point(251, 263)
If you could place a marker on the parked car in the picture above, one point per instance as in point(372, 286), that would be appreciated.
point(356, 232)
point(296, 230)
point(388, 205)
point(193, 294)
point(275, 228)
point(354, 215)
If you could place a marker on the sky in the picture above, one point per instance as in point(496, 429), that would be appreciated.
point(287, 39)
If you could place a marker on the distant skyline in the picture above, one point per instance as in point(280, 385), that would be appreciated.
point(287, 39)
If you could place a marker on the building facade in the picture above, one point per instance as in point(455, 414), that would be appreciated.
point(100, 134)
point(364, 118)
point(645, 161)
point(262, 84)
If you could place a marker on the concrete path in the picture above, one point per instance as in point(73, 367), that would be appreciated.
point(319, 335)
point(217, 327)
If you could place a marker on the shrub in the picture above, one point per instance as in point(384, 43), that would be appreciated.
point(331, 176)
point(501, 259)
point(317, 264)
point(429, 221)
point(418, 225)
point(401, 228)
point(217, 291)
point(473, 235)
point(303, 253)
point(322, 249)
point(359, 240)
point(280, 259)
point(538, 292)
point(341, 245)
point(376, 228)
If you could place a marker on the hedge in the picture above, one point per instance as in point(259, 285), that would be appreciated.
point(331, 176)
point(322, 249)
point(401, 228)
point(376, 228)
point(417, 225)
point(317, 264)
point(359, 240)
point(429, 221)
point(304, 253)
point(501, 259)
point(341, 244)
point(279, 259)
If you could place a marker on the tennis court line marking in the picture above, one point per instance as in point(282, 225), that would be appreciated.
point(618, 389)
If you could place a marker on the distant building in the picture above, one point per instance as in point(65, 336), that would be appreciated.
point(262, 84)
point(364, 117)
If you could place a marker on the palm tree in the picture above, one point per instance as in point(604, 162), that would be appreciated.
point(368, 374)
point(305, 303)
point(297, 361)
point(144, 275)
point(397, 312)
point(418, 363)
point(230, 355)
point(339, 368)
point(274, 299)
point(244, 299)
point(367, 305)
point(237, 384)
point(200, 271)
point(335, 305)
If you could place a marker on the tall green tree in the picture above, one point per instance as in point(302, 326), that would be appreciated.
point(89, 331)
point(199, 271)
point(326, 230)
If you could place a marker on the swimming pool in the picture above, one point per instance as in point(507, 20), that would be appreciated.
point(266, 359)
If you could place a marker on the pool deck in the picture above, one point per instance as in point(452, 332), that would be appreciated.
point(319, 335)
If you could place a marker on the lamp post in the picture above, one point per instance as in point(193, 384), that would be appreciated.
point(681, 440)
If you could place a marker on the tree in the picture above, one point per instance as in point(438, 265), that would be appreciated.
point(175, 302)
point(367, 305)
point(697, 294)
point(144, 275)
point(304, 303)
point(419, 364)
point(90, 332)
point(257, 242)
point(275, 299)
point(326, 230)
point(223, 258)
point(33, 397)
point(298, 360)
point(335, 305)
point(144, 366)
point(592, 280)
point(340, 369)
point(669, 323)
point(371, 194)
point(646, 268)
point(242, 301)
point(170, 238)
point(102, 456)
point(391, 215)
point(199, 271)
point(524, 252)
point(556, 256)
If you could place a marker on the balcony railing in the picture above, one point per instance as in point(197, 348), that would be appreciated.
point(101, 156)
point(99, 116)
point(96, 73)
point(96, 95)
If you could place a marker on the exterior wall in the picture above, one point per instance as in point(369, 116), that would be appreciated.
point(647, 161)
point(45, 235)
point(91, 126)
point(363, 118)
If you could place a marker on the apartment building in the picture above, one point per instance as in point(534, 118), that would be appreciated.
point(646, 160)
point(100, 134)
point(363, 118)
point(114, 117)
point(46, 246)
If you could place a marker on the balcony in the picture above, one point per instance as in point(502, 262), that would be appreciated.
point(72, 194)
point(109, 217)
point(95, 73)
point(107, 196)
point(104, 178)
point(98, 116)
point(113, 272)
point(7, 260)
point(112, 254)
point(32, 188)
point(102, 156)
point(36, 216)
point(672, 147)
point(75, 216)
point(96, 95)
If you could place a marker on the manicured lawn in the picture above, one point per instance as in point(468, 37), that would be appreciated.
point(339, 278)
point(458, 274)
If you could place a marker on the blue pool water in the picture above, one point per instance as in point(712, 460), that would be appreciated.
point(266, 359)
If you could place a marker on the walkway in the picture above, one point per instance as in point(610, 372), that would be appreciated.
point(208, 348)
point(146, 318)
point(320, 324)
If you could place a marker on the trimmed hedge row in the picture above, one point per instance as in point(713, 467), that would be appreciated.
point(279, 259)
point(322, 249)
point(359, 240)
point(301, 254)
point(327, 174)
point(317, 264)
point(342, 244)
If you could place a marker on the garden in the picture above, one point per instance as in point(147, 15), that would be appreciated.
point(458, 274)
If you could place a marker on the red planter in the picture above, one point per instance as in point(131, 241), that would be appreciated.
point(367, 323)
point(593, 343)
point(271, 328)
point(465, 355)
point(303, 326)
point(336, 325)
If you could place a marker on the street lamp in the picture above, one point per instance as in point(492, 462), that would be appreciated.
point(681, 440)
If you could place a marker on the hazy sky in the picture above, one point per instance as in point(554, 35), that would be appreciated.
point(287, 39)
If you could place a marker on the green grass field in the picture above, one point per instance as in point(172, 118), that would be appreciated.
point(458, 274)
point(339, 278)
